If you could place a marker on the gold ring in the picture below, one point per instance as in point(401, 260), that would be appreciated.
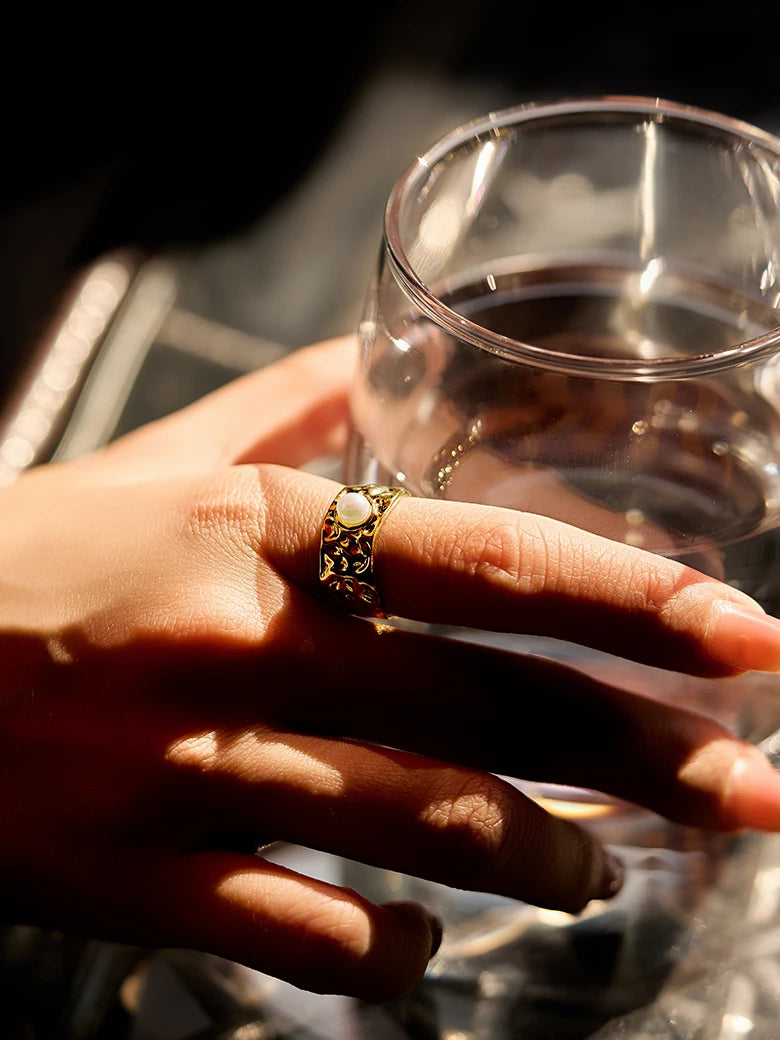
point(347, 546)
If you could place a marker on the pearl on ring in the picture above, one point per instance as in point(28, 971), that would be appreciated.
point(347, 546)
point(353, 509)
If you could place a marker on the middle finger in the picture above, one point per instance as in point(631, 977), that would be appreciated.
point(527, 718)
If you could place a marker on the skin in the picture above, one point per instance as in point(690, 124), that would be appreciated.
point(175, 694)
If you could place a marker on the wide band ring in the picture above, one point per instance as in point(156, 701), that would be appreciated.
point(347, 546)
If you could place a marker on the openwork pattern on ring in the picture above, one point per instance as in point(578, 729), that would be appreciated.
point(347, 546)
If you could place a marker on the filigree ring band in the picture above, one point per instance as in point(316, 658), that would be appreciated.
point(347, 546)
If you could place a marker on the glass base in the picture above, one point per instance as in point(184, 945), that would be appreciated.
point(507, 969)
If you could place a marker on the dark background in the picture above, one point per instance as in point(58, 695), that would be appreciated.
point(193, 136)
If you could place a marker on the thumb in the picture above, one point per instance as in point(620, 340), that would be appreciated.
point(288, 413)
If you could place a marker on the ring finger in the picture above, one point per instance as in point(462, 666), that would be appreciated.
point(454, 825)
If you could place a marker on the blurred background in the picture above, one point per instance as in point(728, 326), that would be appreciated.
point(257, 151)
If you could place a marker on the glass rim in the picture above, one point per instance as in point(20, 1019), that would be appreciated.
point(747, 351)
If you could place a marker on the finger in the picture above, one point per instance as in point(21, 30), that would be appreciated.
point(513, 715)
point(483, 567)
point(289, 413)
point(314, 935)
point(487, 478)
point(460, 827)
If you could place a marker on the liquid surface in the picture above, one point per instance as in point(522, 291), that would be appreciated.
point(683, 467)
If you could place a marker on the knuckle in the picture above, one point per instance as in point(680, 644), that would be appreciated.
point(516, 552)
point(217, 582)
point(651, 586)
point(472, 826)
point(225, 511)
point(198, 752)
point(650, 583)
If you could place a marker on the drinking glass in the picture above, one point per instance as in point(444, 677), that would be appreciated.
point(576, 313)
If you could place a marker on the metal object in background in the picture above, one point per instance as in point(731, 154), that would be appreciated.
point(35, 420)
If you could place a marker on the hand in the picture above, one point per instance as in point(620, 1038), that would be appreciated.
point(176, 694)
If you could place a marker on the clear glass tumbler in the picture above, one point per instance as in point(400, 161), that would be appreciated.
point(576, 312)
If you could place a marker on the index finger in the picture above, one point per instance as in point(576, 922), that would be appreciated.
point(460, 564)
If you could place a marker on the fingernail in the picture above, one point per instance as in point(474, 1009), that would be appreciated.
point(612, 877)
point(745, 637)
point(434, 922)
point(752, 794)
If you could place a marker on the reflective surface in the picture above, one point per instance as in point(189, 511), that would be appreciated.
point(718, 978)
point(576, 312)
point(689, 951)
point(649, 975)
